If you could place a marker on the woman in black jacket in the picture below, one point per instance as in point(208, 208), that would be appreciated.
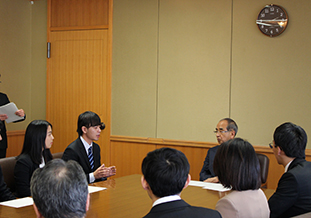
point(36, 153)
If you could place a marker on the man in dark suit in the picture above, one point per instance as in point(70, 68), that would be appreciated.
point(165, 175)
point(225, 130)
point(85, 151)
point(5, 193)
point(293, 194)
point(4, 143)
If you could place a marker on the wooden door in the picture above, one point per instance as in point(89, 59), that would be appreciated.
point(77, 82)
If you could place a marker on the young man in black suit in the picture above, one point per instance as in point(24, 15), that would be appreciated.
point(293, 194)
point(165, 175)
point(85, 151)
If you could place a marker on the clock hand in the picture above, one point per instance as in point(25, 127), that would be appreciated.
point(265, 24)
point(271, 20)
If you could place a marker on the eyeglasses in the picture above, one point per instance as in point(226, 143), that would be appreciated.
point(271, 145)
point(220, 131)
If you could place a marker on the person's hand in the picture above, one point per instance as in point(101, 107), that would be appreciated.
point(113, 170)
point(20, 113)
point(3, 117)
point(103, 171)
point(213, 179)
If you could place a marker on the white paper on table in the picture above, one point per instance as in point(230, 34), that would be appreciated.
point(95, 189)
point(216, 187)
point(197, 183)
point(10, 109)
point(208, 185)
point(17, 203)
point(23, 202)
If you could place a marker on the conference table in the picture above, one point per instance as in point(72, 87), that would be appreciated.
point(124, 197)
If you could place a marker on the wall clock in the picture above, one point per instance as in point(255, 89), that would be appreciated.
point(272, 20)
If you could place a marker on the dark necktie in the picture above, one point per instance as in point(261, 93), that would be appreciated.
point(91, 157)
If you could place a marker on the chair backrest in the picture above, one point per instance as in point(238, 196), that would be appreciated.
point(57, 155)
point(7, 164)
point(264, 167)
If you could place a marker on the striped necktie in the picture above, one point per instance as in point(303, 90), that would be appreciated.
point(91, 157)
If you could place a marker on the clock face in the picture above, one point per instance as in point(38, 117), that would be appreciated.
point(272, 20)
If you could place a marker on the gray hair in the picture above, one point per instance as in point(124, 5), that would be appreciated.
point(60, 189)
point(231, 125)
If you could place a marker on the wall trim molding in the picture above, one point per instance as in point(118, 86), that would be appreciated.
point(16, 132)
point(160, 141)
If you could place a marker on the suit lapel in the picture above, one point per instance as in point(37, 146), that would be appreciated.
point(83, 153)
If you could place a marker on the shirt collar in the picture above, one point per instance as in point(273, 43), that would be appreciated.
point(287, 165)
point(86, 145)
point(166, 199)
point(42, 163)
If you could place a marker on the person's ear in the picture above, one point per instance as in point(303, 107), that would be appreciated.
point(280, 151)
point(232, 134)
point(87, 206)
point(144, 183)
point(39, 215)
point(84, 129)
point(187, 181)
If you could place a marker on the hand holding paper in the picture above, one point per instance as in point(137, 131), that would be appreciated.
point(10, 113)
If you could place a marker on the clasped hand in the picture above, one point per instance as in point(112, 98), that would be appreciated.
point(103, 171)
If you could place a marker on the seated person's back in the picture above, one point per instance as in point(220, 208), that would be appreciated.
point(165, 175)
point(237, 167)
point(293, 194)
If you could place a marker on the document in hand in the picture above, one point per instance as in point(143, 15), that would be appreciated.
point(10, 109)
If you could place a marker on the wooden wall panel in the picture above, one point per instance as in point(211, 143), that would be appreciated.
point(195, 156)
point(78, 13)
point(15, 142)
point(128, 156)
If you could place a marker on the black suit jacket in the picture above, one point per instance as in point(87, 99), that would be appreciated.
point(181, 209)
point(293, 194)
point(4, 142)
point(207, 169)
point(76, 151)
point(23, 171)
point(5, 193)
point(3, 101)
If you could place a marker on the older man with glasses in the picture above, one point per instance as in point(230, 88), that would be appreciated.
point(225, 130)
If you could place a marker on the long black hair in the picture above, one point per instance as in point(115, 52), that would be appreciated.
point(34, 142)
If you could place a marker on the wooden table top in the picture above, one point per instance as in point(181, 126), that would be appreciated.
point(124, 197)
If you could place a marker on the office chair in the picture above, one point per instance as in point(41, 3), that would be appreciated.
point(264, 167)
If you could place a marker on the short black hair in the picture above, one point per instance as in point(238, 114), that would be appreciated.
point(166, 171)
point(237, 166)
point(88, 119)
point(60, 189)
point(231, 125)
point(292, 139)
